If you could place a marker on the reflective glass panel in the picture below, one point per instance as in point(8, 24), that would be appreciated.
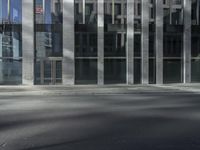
point(172, 71)
point(173, 42)
point(195, 70)
point(48, 41)
point(10, 41)
point(10, 71)
point(115, 24)
point(48, 11)
point(137, 71)
point(86, 41)
point(115, 28)
point(115, 71)
point(86, 71)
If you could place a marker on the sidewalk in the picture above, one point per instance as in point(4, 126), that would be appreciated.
point(95, 89)
point(189, 87)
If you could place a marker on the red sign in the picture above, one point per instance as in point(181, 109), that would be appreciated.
point(38, 10)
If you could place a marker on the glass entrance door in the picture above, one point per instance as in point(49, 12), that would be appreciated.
point(49, 71)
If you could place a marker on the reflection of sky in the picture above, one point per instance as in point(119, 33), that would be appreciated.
point(47, 10)
point(15, 10)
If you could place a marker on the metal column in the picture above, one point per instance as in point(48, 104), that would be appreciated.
point(28, 42)
point(145, 41)
point(130, 41)
point(159, 42)
point(68, 64)
point(187, 42)
point(100, 25)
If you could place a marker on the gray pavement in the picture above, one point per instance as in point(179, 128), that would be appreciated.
point(94, 89)
point(139, 118)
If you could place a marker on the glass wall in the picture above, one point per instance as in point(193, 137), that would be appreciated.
point(48, 41)
point(137, 41)
point(152, 49)
point(10, 42)
point(173, 42)
point(115, 41)
point(86, 42)
point(195, 60)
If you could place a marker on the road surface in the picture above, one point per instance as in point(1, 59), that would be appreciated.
point(138, 121)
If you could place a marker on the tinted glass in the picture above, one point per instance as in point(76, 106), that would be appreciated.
point(48, 41)
point(137, 71)
point(173, 41)
point(115, 41)
point(86, 71)
point(11, 71)
point(115, 71)
point(10, 42)
point(195, 70)
point(86, 42)
point(172, 71)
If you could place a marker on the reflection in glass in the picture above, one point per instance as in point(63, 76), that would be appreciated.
point(86, 71)
point(137, 71)
point(195, 47)
point(86, 42)
point(137, 45)
point(115, 29)
point(173, 45)
point(115, 41)
point(195, 70)
point(48, 11)
point(195, 43)
point(11, 11)
point(10, 42)
point(173, 42)
point(114, 71)
point(48, 71)
point(48, 44)
point(152, 46)
point(115, 44)
point(172, 71)
point(10, 71)
point(152, 71)
point(48, 41)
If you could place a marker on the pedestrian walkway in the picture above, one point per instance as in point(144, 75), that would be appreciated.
point(189, 87)
point(95, 89)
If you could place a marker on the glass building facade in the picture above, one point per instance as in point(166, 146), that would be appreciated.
point(99, 42)
point(10, 42)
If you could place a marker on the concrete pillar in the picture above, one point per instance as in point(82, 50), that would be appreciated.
point(130, 42)
point(100, 24)
point(68, 64)
point(159, 42)
point(27, 42)
point(145, 41)
point(187, 42)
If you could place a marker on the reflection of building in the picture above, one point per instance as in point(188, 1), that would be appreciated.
point(10, 43)
point(101, 41)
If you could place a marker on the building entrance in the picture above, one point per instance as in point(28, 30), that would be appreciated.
point(49, 71)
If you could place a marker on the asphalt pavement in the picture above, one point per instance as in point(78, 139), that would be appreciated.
point(151, 120)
